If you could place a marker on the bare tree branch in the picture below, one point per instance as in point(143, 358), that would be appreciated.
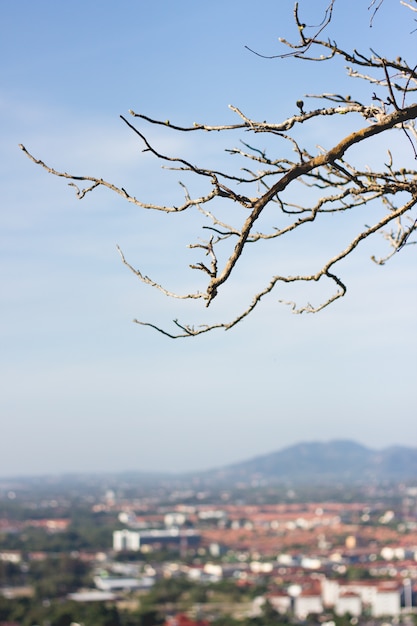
point(331, 181)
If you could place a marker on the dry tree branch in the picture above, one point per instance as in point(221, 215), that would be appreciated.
point(332, 184)
point(305, 43)
point(152, 283)
point(409, 6)
point(97, 182)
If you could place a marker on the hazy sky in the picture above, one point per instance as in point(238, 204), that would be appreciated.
point(83, 388)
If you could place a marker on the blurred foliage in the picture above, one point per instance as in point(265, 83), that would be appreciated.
point(57, 576)
point(60, 613)
point(87, 531)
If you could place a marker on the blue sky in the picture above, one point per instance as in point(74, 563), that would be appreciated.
point(84, 389)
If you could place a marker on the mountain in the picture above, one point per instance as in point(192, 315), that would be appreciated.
point(339, 463)
point(333, 461)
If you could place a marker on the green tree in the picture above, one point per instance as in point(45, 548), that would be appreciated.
point(58, 576)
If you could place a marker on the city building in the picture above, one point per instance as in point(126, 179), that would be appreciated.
point(134, 540)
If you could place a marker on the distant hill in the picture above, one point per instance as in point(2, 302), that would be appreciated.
point(317, 464)
point(334, 461)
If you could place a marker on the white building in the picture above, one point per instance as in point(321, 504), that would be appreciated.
point(11, 556)
point(306, 603)
point(348, 603)
point(379, 598)
point(387, 600)
point(281, 602)
point(330, 592)
point(382, 598)
point(135, 539)
point(115, 583)
point(126, 540)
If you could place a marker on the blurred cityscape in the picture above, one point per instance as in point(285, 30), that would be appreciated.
point(184, 551)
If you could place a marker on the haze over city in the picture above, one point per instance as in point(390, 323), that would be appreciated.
point(85, 389)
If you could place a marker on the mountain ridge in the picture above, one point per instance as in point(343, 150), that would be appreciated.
point(340, 460)
point(309, 462)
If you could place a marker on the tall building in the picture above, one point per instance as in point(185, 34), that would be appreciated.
point(133, 540)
